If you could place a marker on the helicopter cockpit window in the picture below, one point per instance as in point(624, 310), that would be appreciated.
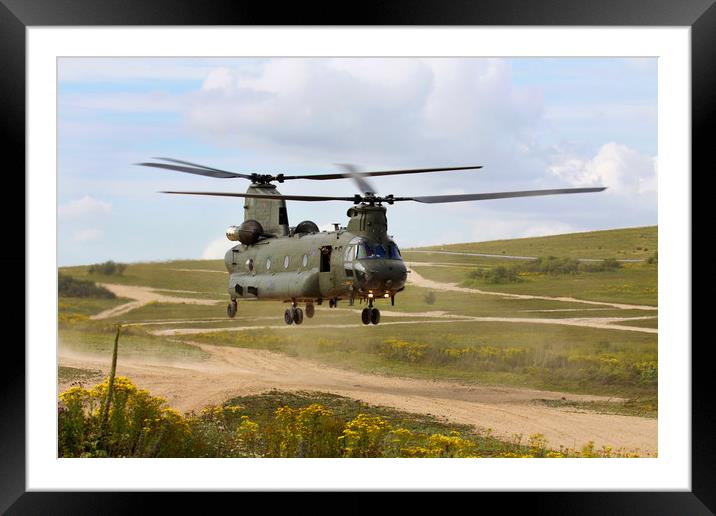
point(365, 251)
point(394, 252)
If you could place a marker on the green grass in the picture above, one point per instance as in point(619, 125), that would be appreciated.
point(631, 284)
point(171, 311)
point(644, 323)
point(165, 276)
point(626, 243)
point(75, 374)
point(641, 407)
point(87, 305)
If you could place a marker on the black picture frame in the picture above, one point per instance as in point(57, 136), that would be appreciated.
point(17, 15)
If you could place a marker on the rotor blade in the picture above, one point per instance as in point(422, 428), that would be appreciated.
point(496, 195)
point(198, 171)
point(262, 196)
point(352, 171)
point(322, 177)
point(197, 165)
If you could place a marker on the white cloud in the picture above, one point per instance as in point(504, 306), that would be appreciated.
point(369, 110)
point(85, 207)
point(216, 249)
point(219, 79)
point(88, 235)
point(623, 170)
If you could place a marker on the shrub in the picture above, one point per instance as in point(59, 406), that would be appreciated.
point(550, 265)
point(71, 287)
point(108, 268)
point(139, 425)
point(608, 264)
point(497, 275)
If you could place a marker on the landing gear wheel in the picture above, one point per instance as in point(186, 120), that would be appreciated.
point(231, 309)
point(288, 316)
point(297, 315)
point(365, 315)
point(374, 315)
point(310, 310)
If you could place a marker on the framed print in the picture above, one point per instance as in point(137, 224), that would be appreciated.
point(194, 74)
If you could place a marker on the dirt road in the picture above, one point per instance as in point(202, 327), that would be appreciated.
point(143, 296)
point(507, 411)
point(604, 323)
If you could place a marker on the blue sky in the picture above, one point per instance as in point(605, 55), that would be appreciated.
point(531, 122)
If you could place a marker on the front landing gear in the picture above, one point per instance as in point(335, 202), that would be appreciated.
point(370, 315)
point(231, 309)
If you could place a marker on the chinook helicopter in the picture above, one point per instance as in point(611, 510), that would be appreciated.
point(301, 264)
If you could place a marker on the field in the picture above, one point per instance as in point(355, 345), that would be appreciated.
point(571, 357)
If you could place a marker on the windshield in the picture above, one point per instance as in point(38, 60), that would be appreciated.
point(366, 250)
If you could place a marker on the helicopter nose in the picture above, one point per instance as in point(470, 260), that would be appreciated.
point(384, 276)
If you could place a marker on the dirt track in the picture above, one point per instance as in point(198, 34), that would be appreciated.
point(143, 296)
point(507, 411)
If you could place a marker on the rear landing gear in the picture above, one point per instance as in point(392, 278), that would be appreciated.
point(231, 308)
point(294, 314)
point(310, 310)
point(297, 315)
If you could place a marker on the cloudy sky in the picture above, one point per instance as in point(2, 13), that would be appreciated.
point(531, 122)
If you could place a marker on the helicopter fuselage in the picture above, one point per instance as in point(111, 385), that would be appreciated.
point(359, 261)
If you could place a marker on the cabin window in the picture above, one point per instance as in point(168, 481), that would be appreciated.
point(268, 264)
point(286, 261)
point(282, 215)
point(305, 260)
point(250, 264)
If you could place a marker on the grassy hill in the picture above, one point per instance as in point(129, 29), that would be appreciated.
point(627, 243)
